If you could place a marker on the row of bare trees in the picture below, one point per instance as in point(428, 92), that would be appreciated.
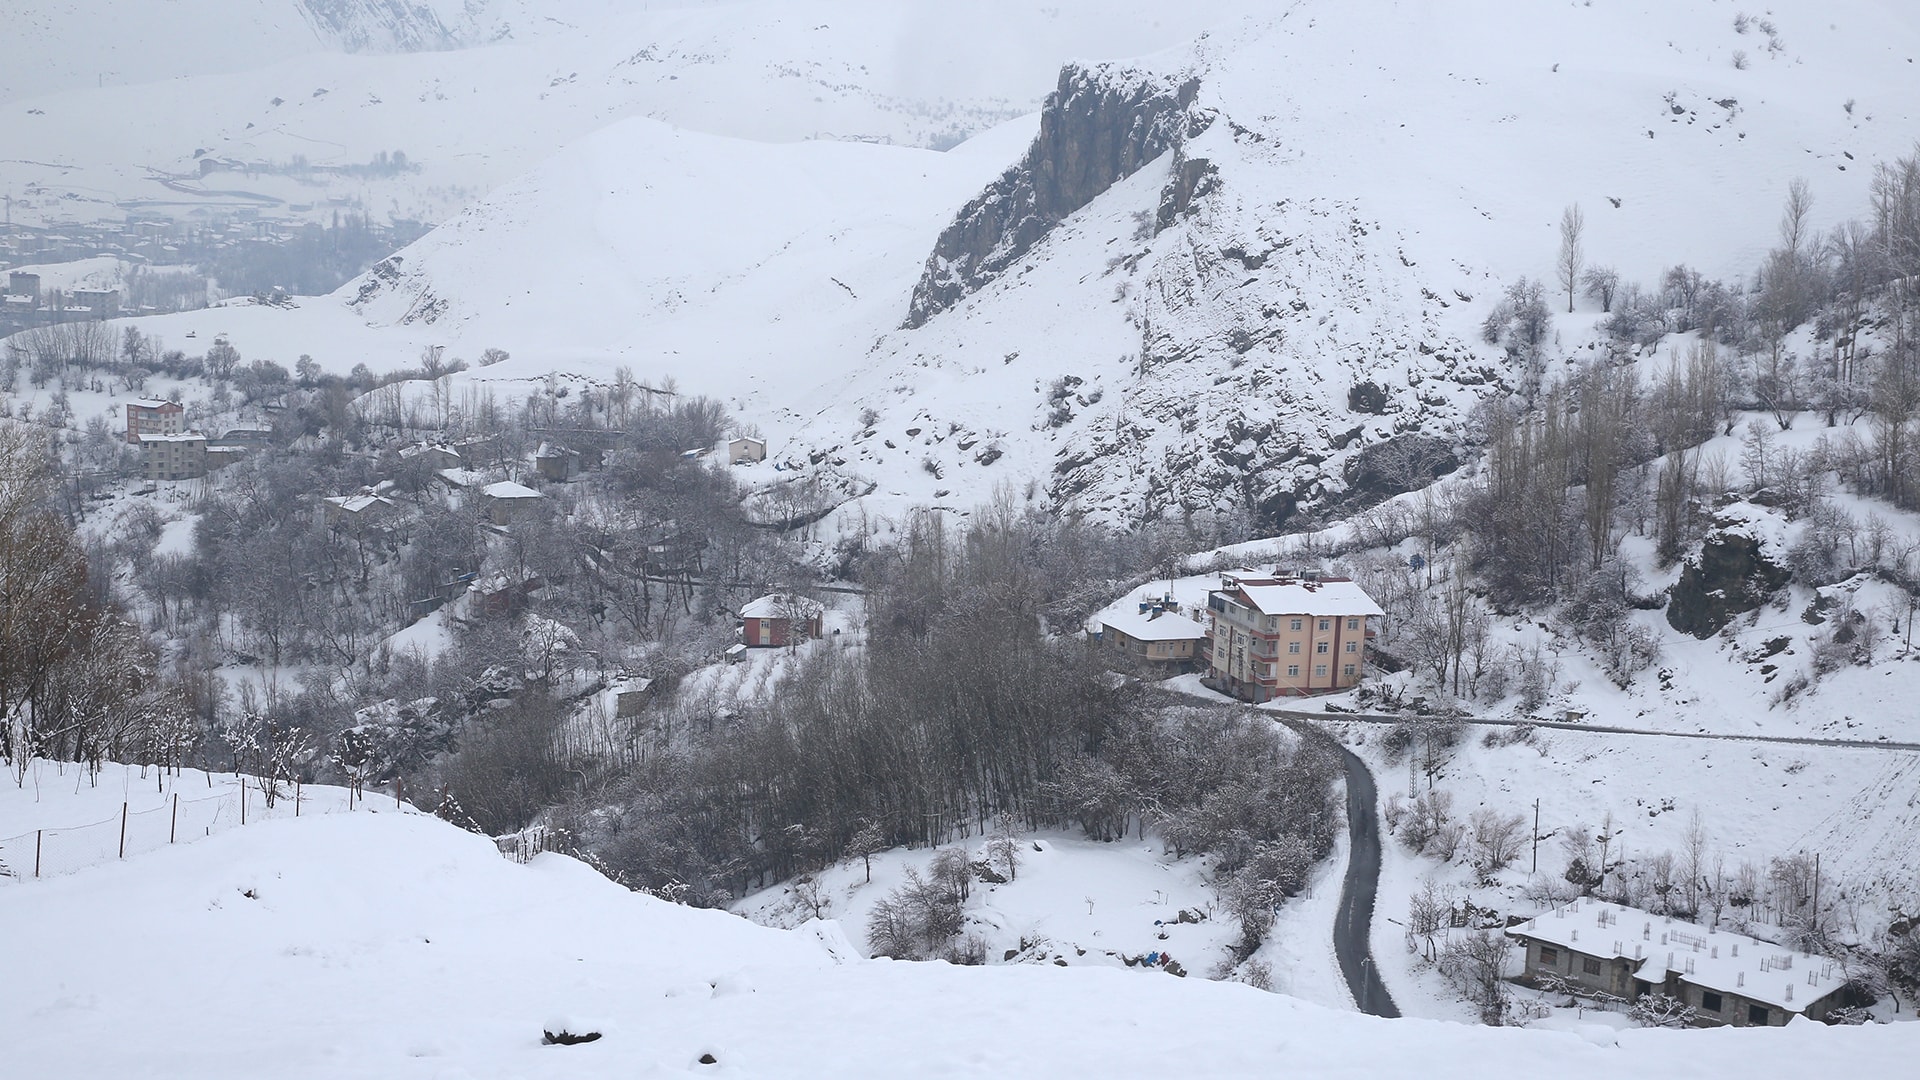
point(77, 681)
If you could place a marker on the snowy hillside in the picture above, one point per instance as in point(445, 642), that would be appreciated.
point(1228, 325)
point(387, 945)
point(59, 45)
point(263, 94)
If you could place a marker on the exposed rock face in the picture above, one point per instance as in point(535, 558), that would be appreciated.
point(1100, 126)
point(1732, 573)
point(378, 25)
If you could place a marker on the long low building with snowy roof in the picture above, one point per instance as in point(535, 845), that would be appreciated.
point(1726, 978)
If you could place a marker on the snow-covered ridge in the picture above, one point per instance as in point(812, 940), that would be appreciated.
point(406, 948)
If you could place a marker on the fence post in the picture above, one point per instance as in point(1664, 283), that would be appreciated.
point(36, 851)
point(399, 786)
point(296, 798)
point(173, 826)
point(243, 798)
point(123, 830)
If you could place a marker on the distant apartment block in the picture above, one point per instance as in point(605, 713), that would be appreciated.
point(102, 303)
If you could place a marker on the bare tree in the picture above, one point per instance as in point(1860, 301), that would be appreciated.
point(1496, 840)
point(1476, 964)
point(1603, 284)
point(1573, 226)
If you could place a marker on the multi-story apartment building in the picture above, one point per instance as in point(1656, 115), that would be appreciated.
point(1283, 635)
point(178, 456)
point(149, 416)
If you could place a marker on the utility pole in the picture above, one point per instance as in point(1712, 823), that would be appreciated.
point(1536, 838)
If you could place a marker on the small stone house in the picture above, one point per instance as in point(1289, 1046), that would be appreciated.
point(507, 502)
point(746, 450)
point(1157, 637)
point(630, 696)
point(1726, 978)
point(357, 513)
point(557, 463)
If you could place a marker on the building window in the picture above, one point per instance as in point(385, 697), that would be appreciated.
point(1320, 669)
point(1549, 956)
point(1353, 624)
point(1352, 647)
point(1293, 646)
point(1710, 1001)
point(1296, 624)
point(1590, 966)
point(1348, 670)
point(1326, 624)
point(1293, 671)
point(1757, 1015)
point(1320, 647)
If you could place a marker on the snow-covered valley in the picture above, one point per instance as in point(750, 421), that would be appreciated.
point(741, 489)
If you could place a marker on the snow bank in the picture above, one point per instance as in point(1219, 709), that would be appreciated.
point(395, 946)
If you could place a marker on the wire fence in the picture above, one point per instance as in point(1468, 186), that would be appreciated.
point(45, 853)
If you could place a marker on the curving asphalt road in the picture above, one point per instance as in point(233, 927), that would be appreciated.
point(1353, 925)
point(1353, 922)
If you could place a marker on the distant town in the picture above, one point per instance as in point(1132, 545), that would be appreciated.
point(177, 265)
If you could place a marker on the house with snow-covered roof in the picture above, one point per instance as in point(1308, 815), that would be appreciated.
point(1156, 636)
point(779, 619)
point(357, 513)
point(507, 501)
point(1726, 978)
point(1287, 635)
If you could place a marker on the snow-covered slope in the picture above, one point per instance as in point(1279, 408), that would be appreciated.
point(1220, 276)
point(56, 45)
point(380, 944)
point(261, 83)
point(1230, 326)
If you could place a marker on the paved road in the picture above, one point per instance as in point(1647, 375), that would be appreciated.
point(1353, 922)
point(1602, 729)
point(1353, 925)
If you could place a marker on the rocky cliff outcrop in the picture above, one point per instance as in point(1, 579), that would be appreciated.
point(1732, 573)
point(1100, 126)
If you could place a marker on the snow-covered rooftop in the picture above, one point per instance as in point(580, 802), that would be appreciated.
point(781, 606)
point(179, 437)
point(1309, 598)
point(1165, 626)
point(1704, 956)
point(153, 403)
point(354, 504)
point(507, 489)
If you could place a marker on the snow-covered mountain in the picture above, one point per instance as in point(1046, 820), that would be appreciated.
point(288, 102)
point(1239, 276)
point(1243, 275)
